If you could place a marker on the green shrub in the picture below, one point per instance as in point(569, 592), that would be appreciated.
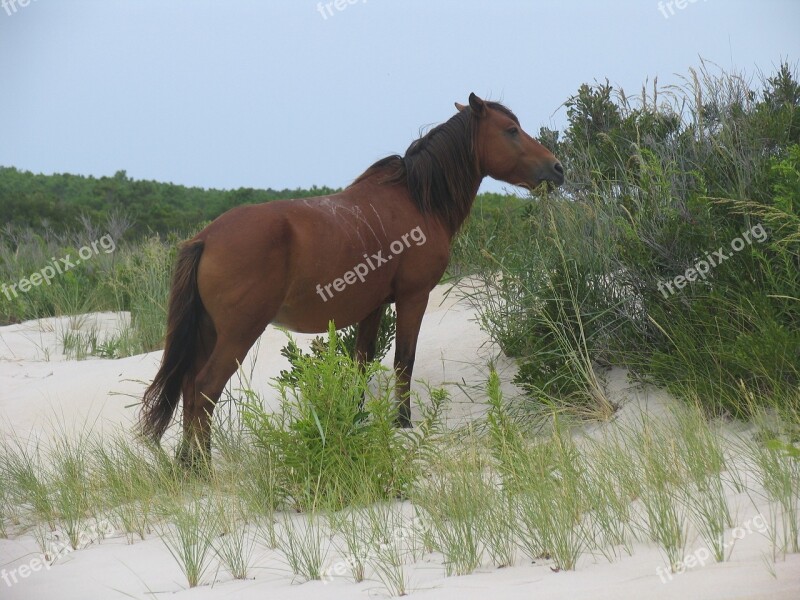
point(346, 346)
point(586, 278)
point(333, 441)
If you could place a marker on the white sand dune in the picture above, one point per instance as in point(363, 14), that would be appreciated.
point(41, 393)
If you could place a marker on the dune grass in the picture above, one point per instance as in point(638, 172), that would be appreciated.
point(305, 545)
point(776, 458)
point(235, 544)
point(492, 496)
point(374, 501)
point(605, 270)
point(123, 276)
point(189, 536)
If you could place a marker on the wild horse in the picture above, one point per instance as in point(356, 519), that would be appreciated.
point(302, 263)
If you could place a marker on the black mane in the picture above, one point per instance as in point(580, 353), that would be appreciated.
point(440, 169)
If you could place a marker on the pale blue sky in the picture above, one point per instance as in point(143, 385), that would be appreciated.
point(246, 93)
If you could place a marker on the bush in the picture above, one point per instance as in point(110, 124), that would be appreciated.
point(346, 346)
point(585, 278)
point(333, 442)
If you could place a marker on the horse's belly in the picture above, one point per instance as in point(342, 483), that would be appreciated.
point(313, 315)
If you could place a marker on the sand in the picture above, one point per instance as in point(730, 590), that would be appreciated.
point(42, 393)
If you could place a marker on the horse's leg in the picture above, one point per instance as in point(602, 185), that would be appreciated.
point(229, 351)
point(409, 318)
point(366, 338)
point(206, 341)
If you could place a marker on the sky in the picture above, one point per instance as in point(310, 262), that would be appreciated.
point(294, 93)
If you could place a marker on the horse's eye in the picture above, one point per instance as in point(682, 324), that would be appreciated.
point(512, 130)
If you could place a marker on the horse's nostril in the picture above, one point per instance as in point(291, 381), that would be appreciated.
point(558, 168)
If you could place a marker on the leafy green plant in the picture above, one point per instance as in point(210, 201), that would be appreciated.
point(606, 270)
point(346, 345)
point(333, 440)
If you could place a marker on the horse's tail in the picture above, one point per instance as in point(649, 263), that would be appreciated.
point(183, 320)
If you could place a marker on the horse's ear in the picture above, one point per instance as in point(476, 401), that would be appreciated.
point(459, 106)
point(477, 105)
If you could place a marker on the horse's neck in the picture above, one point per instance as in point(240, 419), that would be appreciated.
point(468, 207)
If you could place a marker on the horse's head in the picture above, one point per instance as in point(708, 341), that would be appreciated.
point(505, 152)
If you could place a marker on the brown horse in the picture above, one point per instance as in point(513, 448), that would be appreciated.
point(302, 263)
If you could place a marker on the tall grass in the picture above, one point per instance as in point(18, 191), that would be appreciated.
point(235, 545)
point(660, 463)
point(190, 539)
point(305, 544)
point(140, 284)
point(134, 277)
point(481, 496)
point(546, 484)
point(585, 277)
point(384, 542)
point(776, 456)
point(72, 498)
point(452, 511)
point(27, 479)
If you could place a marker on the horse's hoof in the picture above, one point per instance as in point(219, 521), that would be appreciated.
point(194, 461)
